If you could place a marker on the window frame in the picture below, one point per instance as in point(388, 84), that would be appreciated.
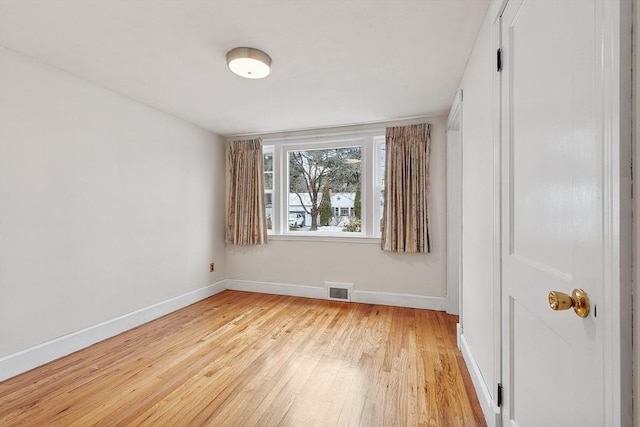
point(369, 143)
point(379, 183)
point(266, 151)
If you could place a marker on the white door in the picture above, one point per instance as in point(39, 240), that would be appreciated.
point(552, 213)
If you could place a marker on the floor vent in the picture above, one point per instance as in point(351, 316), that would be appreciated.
point(339, 291)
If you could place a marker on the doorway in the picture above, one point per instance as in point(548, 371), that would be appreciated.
point(454, 207)
point(565, 222)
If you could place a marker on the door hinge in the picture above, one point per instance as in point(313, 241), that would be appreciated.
point(499, 394)
point(499, 60)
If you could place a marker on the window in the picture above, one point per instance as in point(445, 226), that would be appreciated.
point(381, 156)
point(322, 179)
point(325, 186)
point(268, 186)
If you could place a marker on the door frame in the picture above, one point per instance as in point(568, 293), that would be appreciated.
point(454, 204)
point(614, 34)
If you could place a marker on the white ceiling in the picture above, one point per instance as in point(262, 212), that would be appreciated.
point(335, 62)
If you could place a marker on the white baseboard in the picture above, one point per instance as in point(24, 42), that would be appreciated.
point(277, 289)
point(25, 360)
point(400, 300)
point(366, 297)
point(490, 410)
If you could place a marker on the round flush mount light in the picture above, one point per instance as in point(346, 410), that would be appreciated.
point(249, 63)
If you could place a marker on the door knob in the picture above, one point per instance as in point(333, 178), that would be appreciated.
point(578, 299)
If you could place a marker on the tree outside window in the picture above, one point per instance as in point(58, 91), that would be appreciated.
point(314, 174)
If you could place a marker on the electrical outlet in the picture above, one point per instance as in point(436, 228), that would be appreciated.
point(212, 267)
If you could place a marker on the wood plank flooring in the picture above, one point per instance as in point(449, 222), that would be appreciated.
point(243, 359)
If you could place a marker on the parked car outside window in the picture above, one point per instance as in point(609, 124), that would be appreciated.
point(296, 220)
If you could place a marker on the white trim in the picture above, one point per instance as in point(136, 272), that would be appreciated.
point(38, 355)
point(309, 237)
point(453, 120)
point(454, 206)
point(358, 128)
point(493, 413)
point(277, 289)
point(373, 227)
point(490, 410)
point(635, 264)
point(496, 8)
point(614, 28)
point(365, 297)
point(25, 360)
point(400, 300)
point(497, 207)
point(366, 142)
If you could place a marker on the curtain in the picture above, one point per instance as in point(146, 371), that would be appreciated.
point(246, 217)
point(405, 226)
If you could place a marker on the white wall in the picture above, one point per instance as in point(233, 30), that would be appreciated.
point(106, 206)
point(478, 261)
point(366, 265)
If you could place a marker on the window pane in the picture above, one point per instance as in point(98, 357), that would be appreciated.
point(268, 187)
point(381, 207)
point(268, 170)
point(268, 202)
point(382, 157)
point(324, 189)
point(268, 161)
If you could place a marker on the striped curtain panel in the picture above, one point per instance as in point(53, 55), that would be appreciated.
point(405, 226)
point(246, 217)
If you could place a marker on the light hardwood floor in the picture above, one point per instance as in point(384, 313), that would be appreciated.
point(243, 359)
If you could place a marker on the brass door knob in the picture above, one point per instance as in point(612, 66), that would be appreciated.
point(578, 300)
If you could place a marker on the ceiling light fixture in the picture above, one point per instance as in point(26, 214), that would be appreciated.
point(249, 63)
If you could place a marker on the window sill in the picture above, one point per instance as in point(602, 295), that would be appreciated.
point(324, 238)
